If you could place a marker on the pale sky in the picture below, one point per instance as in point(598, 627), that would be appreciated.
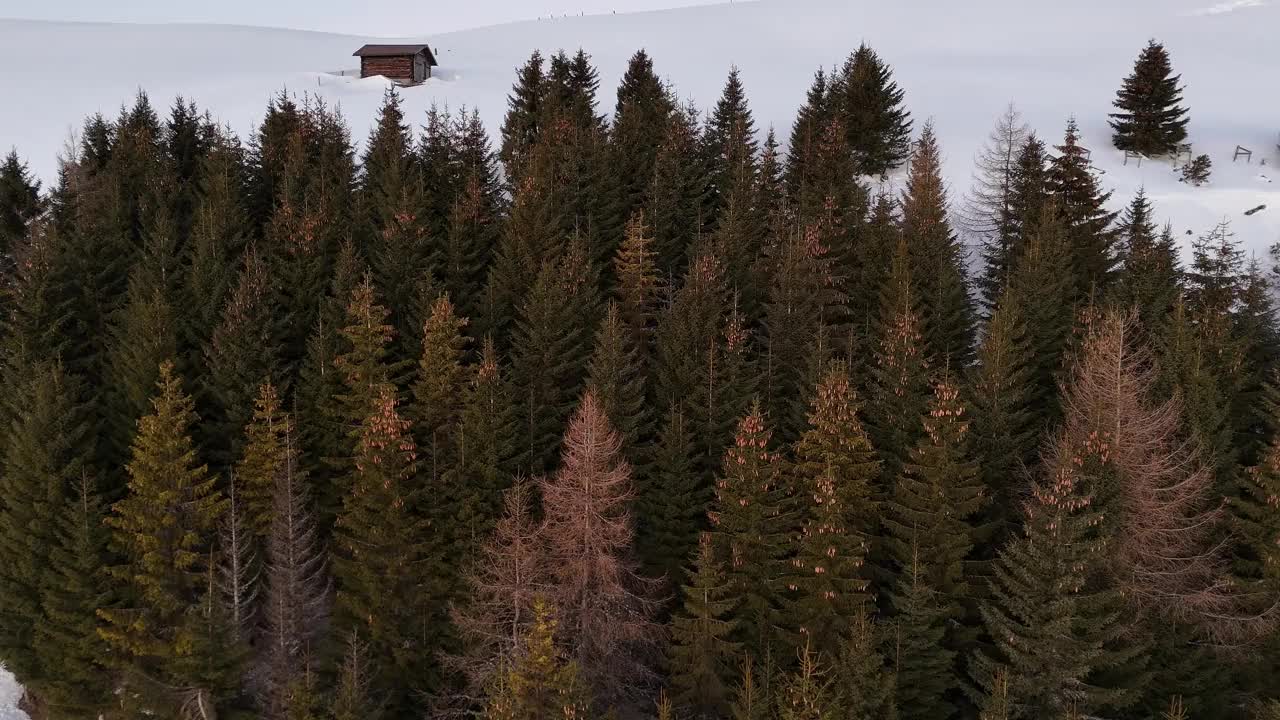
point(371, 17)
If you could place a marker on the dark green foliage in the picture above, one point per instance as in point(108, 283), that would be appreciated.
point(923, 665)
point(616, 375)
point(702, 654)
point(899, 381)
point(488, 446)
point(1004, 434)
point(1028, 194)
point(1151, 276)
point(549, 354)
point(865, 685)
point(677, 196)
point(730, 148)
point(474, 219)
point(1196, 171)
point(750, 532)
point(1081, 205)
point(378, 560)
point(937, 259)
point(20, 204)
point(836, 478)
point(641, 116)
point(671, 503)
point(870, 107)
point(1150, 119)
point(47, 449)
point(928, 522)
point(524, 116)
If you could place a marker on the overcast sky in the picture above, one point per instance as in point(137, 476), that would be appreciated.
point(373, 17)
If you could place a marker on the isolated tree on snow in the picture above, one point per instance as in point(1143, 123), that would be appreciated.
point(1150, 119)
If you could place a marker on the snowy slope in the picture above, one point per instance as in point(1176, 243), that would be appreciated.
point(10, 693)
point(959, 63)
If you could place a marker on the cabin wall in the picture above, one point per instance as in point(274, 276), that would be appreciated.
point(399, 67)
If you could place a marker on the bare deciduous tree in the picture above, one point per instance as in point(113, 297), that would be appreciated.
point(605, 607)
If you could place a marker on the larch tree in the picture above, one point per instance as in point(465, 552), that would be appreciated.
point(1149, 118)
point(588, 533)
point(989, 212)
point(507, 577)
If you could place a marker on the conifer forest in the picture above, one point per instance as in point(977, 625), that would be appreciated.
point(633, 410)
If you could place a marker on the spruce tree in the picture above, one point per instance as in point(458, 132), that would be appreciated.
point(924, 665)
point(678, 194)
point(928, 521)
point(702, 654)
point(1004, 433)
point(671, 500)
point(163, 530)
point(549, 353)
point(438, 391)
point(47, 447)
point(750, 532)
point(865, 685)
point(378, 563)
point(807, 692)
point(870, 106)
point(487, 447)
point(474, 220)
point(1028, 194)
point(20, 204)
point(542, 684)
point(242, 353)
point(1151, 119)
point(1081, 204)
point(617, 378)
point(836, 474)
point(1151, 274)
point(643, 111)
point(899, 381)
point(730, 147)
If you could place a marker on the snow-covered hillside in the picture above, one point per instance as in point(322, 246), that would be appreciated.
point(10, 694)
point(960, 63)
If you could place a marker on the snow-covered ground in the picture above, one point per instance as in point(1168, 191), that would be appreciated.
point(10, 693)
point(960, 63)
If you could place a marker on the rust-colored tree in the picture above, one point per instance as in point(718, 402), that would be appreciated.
point(604, 605)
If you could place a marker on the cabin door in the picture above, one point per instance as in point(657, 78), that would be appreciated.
point(419, 68)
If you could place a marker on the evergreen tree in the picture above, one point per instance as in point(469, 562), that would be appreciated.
point(702, 654)
point(812, 122)
point(487, 447)
point(1081, 204)
point(20, 204)
point(899, 382)
point(870, 106)
point(924, 665)
point(67, 640)
point(837, 475)
point(549, 355)
point(531, 237)
point(751, 531)
point(644, 109)
point(729, 146)
point(47, 446)
point(474, 220)
point(163, 530)
point(671, 500)
point(242, 354)
point(929, 518)
point(617, 378)
point(1150, 119)
point(1151, 274)
point(378, 563)
point(677, 196)
point(937, 258)
point(354, 696)
point(542, 684)
point(438, 393)
point(1028, 195)
point(1004, 433)
point(865, 686)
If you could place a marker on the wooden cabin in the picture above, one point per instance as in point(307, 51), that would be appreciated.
point(404, 64)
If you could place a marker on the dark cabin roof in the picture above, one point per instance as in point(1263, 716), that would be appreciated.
point(395, 51)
